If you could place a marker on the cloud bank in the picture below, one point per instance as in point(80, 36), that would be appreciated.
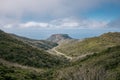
point(12, 13)
point(65, 23)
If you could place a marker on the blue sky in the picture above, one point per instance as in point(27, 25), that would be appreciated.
point(41, 18)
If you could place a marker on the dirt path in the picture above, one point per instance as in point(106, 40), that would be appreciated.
point(69, 57)
point(55, 52)
point(81, 56)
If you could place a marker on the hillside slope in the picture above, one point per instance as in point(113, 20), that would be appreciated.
point(104, 65)
point(43, 44)
point(20, 61)
point(16, 51)
point(90, 45)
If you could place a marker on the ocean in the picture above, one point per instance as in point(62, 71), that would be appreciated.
point(74, 33)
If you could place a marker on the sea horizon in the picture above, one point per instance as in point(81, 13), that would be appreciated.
point(41, 34)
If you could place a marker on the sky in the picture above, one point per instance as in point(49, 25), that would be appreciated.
point(40, 18)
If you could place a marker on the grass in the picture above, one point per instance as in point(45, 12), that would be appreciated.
point(90, 45)
point(104, 65)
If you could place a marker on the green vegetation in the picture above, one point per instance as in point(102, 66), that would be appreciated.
point(16, 51)
point(90, 45)
point(14, 73)
point(20, 61)
point(100, 66)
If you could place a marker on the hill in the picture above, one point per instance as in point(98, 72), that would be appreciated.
point(16, 51)
point(104, 65)
point(58, 37)
point(90, 45)
point(42, 44)
point(20, 61)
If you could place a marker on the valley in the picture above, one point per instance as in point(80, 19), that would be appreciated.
point(59, 39)
point(60, 57)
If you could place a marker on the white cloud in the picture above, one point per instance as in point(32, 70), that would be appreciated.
point(34, 24)
point(65, 23)
point(8, 26)
point(79, 23)
point(62, 24)
point(95, 24)
point(16, 9)
point(72, 24)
